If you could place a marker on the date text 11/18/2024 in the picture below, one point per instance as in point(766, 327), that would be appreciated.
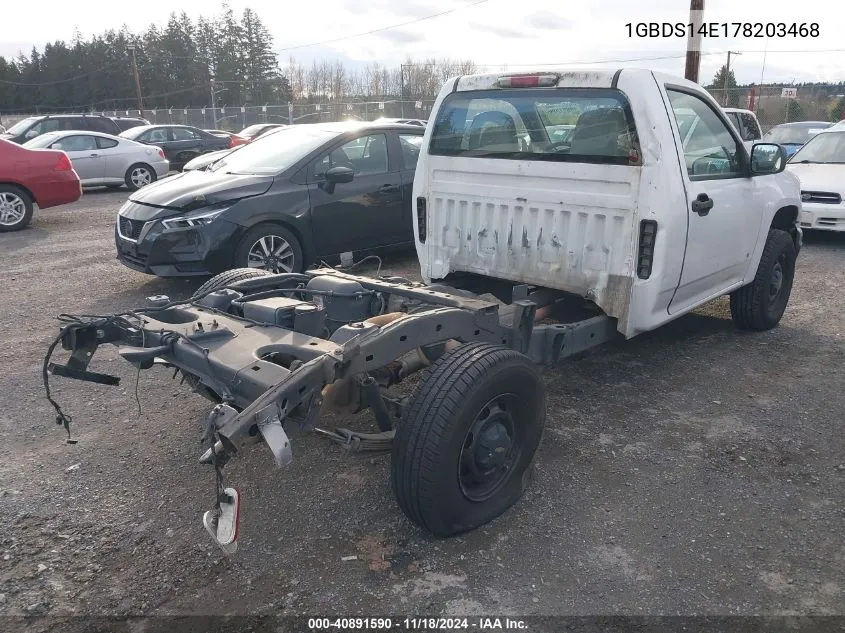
point(417, 624)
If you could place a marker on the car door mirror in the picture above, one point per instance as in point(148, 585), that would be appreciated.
point(30, 134)
point(337, 175)
point(767, 158)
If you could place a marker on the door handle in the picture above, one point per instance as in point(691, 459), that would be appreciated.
point(388, 188)
point(702, 204)
point(94, 155)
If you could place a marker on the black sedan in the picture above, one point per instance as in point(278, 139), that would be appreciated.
point(280, 203)
point(181, 143)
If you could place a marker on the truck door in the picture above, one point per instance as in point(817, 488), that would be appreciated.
point(723, 222)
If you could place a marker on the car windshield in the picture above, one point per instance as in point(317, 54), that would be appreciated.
point(562, 124)
point(793, 134)
point(40, 142)
point(273, 153)
point(823, 148)
point(21, 126)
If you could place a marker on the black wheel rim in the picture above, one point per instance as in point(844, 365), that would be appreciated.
point(491, 448)
point(776, 279)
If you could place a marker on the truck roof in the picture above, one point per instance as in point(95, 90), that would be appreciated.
point(568, 78)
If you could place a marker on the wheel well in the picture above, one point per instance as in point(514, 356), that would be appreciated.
point(22, 188)
point(785, 218)
point(141, 164)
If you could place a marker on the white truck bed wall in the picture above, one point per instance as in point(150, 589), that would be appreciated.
point(568, 226)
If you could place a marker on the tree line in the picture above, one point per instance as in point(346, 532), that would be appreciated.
point(182, 62)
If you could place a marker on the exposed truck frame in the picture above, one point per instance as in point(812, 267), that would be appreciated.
point(356, 337)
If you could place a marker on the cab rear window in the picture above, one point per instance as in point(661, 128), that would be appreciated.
point(567, 125)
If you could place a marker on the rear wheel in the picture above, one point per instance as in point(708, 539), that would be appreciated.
point(228, 277)
point(270, 247)
point(760, 305)
point(15, 208)
point(139, 175)
point(464, 447)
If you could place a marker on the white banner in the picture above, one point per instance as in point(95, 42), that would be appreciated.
point(381, 106)
point(243, 109)
point(203, 111)
point(418, 105)
point(264, 108)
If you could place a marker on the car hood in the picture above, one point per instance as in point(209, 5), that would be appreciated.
point(198, 189)
point(204, 160)
point(819, 177)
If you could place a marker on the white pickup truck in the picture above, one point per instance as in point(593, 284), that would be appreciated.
point(631, 211)
point(553, 211)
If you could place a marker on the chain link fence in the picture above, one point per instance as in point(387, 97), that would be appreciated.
point(236, 118)
point(773, 105)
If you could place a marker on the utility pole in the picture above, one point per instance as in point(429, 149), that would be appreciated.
point(213, 105)
point(696, 18)
point(728, 74)
point(131, 48)
point(402, 88)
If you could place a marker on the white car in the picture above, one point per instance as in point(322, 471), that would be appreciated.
point(746, 123)
point(820, 166)
point(106, 160)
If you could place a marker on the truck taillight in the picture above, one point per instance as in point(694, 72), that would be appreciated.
point(645, 255)
point(528, 81)
point(64, 163)
point(421, 219)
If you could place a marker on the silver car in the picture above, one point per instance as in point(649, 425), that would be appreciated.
point(103, 159)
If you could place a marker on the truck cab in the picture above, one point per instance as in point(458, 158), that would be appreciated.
point(650, 207)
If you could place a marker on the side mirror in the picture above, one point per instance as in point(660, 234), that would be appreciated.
point(338, 175)
point(767, 158)
point(31, 134)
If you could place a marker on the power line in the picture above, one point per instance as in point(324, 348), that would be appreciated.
point(381, 29)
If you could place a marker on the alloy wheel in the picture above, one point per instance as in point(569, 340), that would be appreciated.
point(12, 209)
point(141, 177)
point(273, 253)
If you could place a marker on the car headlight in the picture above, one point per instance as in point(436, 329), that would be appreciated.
point(193, 219)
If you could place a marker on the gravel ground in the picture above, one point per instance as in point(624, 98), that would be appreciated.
point(692, 470)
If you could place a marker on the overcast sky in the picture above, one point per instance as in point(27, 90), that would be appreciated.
point(493, 32)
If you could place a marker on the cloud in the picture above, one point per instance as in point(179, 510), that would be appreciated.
point(548, 20)
point(399, 36)
point(501, 31)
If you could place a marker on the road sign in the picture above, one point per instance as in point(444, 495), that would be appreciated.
point(264, 108)
point(789, 93)
point(243, 109)
point(381, 106)
point(418, 105)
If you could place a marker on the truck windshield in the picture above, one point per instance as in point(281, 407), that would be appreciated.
point(568, 125)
